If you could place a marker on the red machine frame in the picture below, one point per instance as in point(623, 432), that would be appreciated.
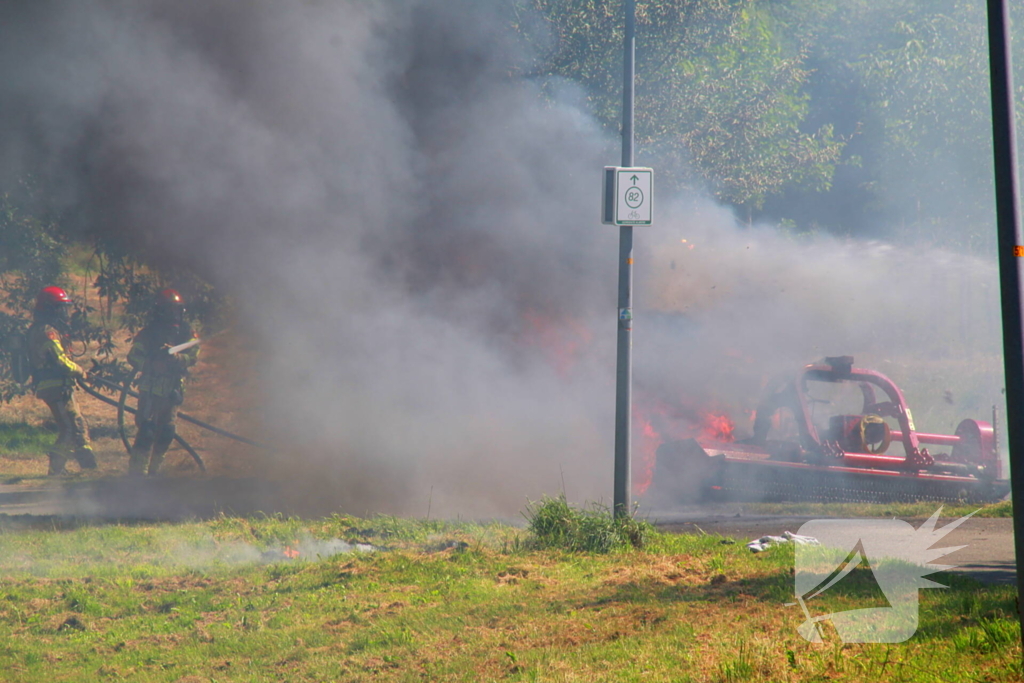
point(832, 465)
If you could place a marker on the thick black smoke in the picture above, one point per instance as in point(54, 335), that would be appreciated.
point(388, 202)
point(409, 227)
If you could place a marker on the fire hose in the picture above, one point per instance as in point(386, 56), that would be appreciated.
point(120, 416)
point(121, 408)
point(187, 418)
point(125, 392)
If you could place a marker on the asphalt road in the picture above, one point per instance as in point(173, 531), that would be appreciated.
point(988, 552)
point(145, 498)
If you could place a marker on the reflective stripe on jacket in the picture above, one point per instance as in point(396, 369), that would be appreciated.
point(51, 365)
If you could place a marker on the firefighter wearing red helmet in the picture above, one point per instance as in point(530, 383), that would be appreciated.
point(54, 375)
point(162, 383)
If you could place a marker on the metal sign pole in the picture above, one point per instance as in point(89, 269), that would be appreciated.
point(624, 361)
point(1010, 252)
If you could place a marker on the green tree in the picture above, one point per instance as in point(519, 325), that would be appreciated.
point(906, 81)
point(931, 90)
point(720, 101)
point(32, 247)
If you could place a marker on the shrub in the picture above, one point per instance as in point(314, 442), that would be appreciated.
point(556, 524)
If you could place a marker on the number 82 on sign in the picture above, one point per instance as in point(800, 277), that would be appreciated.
point(627, 195)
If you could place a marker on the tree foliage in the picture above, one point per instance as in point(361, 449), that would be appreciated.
point(32, 247)
point(931, 91)
point(867, 116)
point(719, 98)
point(907, 81)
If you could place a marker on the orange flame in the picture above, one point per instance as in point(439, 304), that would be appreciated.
point(718, 427)
point(560, 340)
point(656, 421)
point(290, 552)
point(648, 441)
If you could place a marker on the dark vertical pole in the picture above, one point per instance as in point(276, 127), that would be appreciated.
point(1004, 142)
point(624, 361)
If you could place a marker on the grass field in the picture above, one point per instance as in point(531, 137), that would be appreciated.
point(349, 599)
point(21, 440)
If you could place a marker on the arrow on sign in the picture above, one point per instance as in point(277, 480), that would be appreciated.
point(634, 179)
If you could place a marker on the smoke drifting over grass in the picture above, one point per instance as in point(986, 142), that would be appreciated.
point(410, 230)
point(162, 550)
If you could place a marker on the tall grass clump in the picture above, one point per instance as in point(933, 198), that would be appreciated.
point(20, 439)
point(556, 524)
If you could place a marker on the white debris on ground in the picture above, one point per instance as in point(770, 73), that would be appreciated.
point(765, 542)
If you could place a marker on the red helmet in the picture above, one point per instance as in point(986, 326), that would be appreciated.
point(169, 298)
point(170, 307)
point(51, 298)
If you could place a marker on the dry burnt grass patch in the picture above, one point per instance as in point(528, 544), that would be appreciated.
point(446, 602)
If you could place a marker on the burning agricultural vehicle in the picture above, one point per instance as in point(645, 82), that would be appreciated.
point(833, 433)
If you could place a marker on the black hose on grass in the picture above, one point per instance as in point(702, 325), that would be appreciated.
point(186, 417)
point(120, 415)
point(177, 437)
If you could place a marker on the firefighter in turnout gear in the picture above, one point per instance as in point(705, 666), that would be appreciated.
point(54, 375)
point(162, 384)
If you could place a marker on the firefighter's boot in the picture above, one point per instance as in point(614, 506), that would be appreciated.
point(86, 458)
point(139, 456)
point(155, 461)
point(137, 462)
point(57, 462)
point(164, 437)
